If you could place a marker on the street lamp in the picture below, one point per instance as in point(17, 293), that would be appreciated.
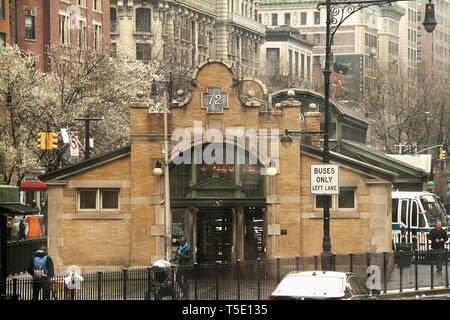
point(158, 170)
point(429, 23)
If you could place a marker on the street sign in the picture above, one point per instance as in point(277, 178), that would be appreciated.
point(324, 179)
point(65, 135)
point(73, 146)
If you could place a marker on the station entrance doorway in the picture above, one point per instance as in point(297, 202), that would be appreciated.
point(230, 233)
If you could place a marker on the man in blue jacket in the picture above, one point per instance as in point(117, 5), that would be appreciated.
point(42, 270)
point(184, 259)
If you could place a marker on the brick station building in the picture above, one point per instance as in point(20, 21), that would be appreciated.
point(108, 211)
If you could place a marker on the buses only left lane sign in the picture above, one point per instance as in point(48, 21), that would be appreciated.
point(324, 179)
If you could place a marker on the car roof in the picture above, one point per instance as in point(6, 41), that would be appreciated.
point(313, 285)
point(319, 273)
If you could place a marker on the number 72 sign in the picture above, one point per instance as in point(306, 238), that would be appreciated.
point(215, 100)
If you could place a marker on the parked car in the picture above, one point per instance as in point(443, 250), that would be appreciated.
point(322, 285)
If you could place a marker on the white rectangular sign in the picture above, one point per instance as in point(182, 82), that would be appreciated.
point(324, 179)
point(65, 136)
point(74, 146)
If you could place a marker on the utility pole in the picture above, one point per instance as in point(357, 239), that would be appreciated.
point(87, 146)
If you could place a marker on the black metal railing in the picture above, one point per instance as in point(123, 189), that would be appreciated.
point(243, 280)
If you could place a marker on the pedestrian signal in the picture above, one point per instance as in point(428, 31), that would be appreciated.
point(52, 140)
point(42, 140)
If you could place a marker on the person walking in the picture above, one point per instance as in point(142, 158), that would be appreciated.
point(184, 259)
point(22, 235)
point(42, 270)
point(43, 221)
point(438, 237)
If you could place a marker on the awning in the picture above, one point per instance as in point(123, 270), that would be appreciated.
point(33, 186)
point(17, 208)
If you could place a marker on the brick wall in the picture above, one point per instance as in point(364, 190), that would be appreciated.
point(135, 237)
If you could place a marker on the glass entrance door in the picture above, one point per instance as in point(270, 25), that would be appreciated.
point(214, 235)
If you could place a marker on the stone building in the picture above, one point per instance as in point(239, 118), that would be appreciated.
point(286, 54)
point(357, 42)
point(108, 211)
point(188, 32)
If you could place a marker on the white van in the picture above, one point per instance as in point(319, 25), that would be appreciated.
point(414, 214)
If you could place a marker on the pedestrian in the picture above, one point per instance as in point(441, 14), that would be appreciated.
point(9, 227)
point(22, 235)
point(184, 259)
point(41, 268)
point(71, 283)
point(44, 220)
point(438, 237)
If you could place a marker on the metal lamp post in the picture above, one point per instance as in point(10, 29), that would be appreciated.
point(167, 215)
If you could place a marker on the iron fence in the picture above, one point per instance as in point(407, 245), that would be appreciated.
point(243, 280)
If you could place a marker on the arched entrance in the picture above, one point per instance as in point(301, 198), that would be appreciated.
point(219, 202)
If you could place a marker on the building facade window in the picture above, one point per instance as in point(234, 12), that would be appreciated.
point(317, 39)
point(2, 41)
point(143, 20)
point(2, 9)
point(113, 20)
point(316, 17)
point(98, 200)
point(143, 51)
point(274, 19)
point(346, 200)
point(81, 33)
point(287, 19)
point(29, 24)
point(303, 18)
point(97, 5)
point(97, 35)
point(81, 3)
point(371, 40)
point(64, 34)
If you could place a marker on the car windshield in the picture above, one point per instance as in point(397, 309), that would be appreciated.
point(433, 210)
point(310, 286)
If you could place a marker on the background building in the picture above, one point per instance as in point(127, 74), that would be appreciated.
point(4, 23)
point(39, 24)
point(408, 38)
point(287, 56)
point(356, 45)
point(433, 49)
point(188, 32)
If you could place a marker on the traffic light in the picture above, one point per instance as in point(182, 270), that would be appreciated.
point(42, 140)
point(442, 154)
point(52, 140)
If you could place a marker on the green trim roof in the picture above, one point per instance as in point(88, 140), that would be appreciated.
point(381, 158)
point(355, 163)
point(17, 208)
